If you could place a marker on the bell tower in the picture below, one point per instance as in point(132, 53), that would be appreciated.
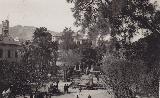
point(5, 28)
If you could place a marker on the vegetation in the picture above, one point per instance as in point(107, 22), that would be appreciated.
point(67, 39)
point(39, 56)
point(123, 19)
point(130, 68)
point(12, 73)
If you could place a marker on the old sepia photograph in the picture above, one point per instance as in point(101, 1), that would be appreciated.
point(79, 48)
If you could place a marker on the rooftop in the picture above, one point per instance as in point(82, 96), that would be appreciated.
point(8, 40)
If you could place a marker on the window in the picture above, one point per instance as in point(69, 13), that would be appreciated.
point(9, 54)
point(1, 53)
point(16, 54)
point(77, 67)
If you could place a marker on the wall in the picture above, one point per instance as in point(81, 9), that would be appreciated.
point(12, 49)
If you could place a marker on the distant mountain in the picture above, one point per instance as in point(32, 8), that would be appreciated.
point(24, 32)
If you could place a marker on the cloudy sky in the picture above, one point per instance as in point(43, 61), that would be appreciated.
point(53, 14)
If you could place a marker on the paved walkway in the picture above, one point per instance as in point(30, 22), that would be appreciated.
point(74, 92)
point(85, 93)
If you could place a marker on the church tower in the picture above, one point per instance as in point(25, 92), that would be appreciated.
point(5, 28)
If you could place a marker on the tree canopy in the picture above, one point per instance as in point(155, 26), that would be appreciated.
point(39, 56)
point(123, 19)
point(67, 39)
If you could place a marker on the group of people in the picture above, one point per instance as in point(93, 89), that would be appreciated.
point(66, 86)
point(89, 96)
point(54, 88)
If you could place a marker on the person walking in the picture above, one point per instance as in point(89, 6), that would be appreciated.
point(57, 84)
point(65, 88)
point(80, 88)
point(77, 96)
point(89, 96)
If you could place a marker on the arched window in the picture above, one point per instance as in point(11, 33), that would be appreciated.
point(9, 54)
point(1, 53)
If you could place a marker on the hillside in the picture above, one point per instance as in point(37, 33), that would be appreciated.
point(23, 32)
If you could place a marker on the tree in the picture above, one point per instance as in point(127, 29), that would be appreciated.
point(67, 39)
point(68, 52)
point(13, 73)
point(39, 56)
point(89, 58)
point(147, 49)
point(123, 76)
point(122, 19)
point(70, 57)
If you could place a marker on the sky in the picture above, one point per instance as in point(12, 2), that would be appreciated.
point(53, 14)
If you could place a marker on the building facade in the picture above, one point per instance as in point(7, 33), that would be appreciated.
point(8, 46)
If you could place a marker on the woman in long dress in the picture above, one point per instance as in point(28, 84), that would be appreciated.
point(77, 96)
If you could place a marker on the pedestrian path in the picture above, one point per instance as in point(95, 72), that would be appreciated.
point(85, 93)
